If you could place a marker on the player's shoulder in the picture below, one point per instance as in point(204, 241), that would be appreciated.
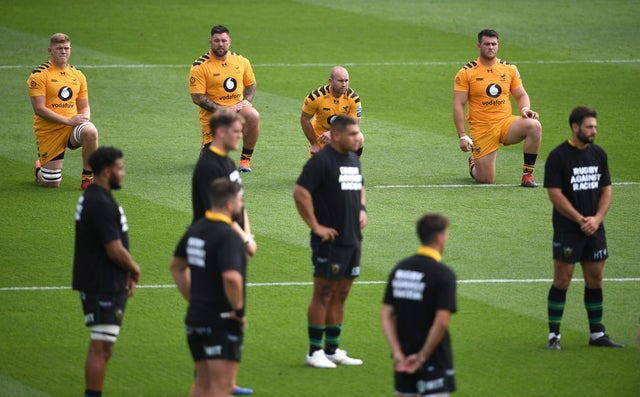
point(467, 71)
point(75, 71)
point(560, 151)
point(448, 271)
point(237, 55)
point(97, 199)
point(598, 149)
point(506, 65)
point(43, 67)
point(472, 64)
point(201, 59)
point(319, 92)
point(352, 94)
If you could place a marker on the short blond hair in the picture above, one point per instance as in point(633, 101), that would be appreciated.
point(58, 38)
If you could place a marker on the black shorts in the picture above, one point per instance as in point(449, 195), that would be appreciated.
point(572, 247)
point(107, 309)
point(425, 381)
point(335, 262)
point(215, 343)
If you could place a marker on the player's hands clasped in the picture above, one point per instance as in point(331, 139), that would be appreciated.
point(78, 119)
point(528, 113)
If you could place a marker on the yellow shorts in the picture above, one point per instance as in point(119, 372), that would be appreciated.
point(488, 137)
point(53, 143)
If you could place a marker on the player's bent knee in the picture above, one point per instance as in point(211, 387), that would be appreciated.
point(86, 131)
point(250, 114)
point(50, 177)
point(534, 128)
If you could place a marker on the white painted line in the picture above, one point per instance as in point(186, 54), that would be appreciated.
point(308, 283)
point(356, 64)
point(474, 185)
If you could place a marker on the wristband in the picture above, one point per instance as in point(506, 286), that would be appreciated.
point(239, 313)
point(466, 138)
point(246, 243)
point(363, 208)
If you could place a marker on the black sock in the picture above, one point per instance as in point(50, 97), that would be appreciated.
point(246, 153)
point(555, 308)
point(529, 162)
point(92, 393)
point(593, 302)
point(315, 338)
point(332, 338)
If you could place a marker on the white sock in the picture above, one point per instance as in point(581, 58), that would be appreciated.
point(553, 335)
point(596, 335)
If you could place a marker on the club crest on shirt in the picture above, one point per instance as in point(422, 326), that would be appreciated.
point(567, 251)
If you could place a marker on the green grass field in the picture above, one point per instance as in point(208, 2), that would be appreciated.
point(402, 56)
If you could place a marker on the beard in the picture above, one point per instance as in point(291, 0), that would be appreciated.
point(221, 52)
point(114, 183)
point(583, 138)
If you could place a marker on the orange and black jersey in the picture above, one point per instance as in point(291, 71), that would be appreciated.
point(61, 89)
point(488, 90)
point(325, 106)
point(221, 81)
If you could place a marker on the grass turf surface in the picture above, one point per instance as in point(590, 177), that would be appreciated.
point(402, 57)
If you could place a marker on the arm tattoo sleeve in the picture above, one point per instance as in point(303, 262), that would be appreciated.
point(204, 102)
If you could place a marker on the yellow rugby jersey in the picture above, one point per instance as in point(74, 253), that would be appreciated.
point(324, 106)
point(61, 89)
point(222, 81)
point(488, 89)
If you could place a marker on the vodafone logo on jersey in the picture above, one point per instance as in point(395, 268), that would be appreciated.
point(230, 84)
point(493, 90)
point(65, 93)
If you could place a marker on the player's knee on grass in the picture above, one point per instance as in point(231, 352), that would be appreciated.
point(50, 177)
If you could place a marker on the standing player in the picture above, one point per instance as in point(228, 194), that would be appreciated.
point(578, 182)
point(224, 79)
point(325, 103)
point(60, 102)
point(103, 271)
point(486, 83)
point(419, 299)
point(330, 197)
point(215, 163)
point(209, 268)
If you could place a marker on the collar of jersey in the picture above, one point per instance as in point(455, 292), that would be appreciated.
point(217, 217)
point(573, 145)
point(428, 251)
point(217, 151)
